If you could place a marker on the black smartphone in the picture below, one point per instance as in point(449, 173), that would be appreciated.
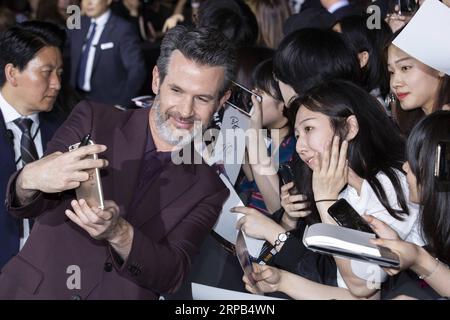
point(442, 162)
point(344, 214)
point(241, 97)
point(287, 175)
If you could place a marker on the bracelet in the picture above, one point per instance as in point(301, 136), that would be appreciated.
point(423, 277)
point(325, 200)
point(282, 237)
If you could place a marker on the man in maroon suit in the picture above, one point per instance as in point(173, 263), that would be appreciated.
point(141, 244)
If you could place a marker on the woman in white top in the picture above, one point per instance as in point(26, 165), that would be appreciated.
point(365, 169)
point(433, 193)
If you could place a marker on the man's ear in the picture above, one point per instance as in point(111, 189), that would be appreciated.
point(352, 128)
point(156, 80)
point(224, 99)
point(11, 73)
point(363, 58)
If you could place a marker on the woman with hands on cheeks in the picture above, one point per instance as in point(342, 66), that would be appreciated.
point(349, 149)
point(429, 263)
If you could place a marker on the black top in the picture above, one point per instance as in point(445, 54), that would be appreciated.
point(152, 163)
point(296, 258)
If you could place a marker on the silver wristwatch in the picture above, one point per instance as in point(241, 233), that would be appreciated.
point(282, 237)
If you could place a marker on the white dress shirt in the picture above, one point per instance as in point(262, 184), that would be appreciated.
point(367, 203)
point(100, 26)
point(9, 115)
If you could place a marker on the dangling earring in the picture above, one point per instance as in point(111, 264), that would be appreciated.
point(390, 98)
point(389, 101)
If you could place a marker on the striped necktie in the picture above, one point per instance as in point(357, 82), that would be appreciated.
point(84, 56)
point(27, 147)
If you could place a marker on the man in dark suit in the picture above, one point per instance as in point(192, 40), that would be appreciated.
point(140, 245)
point(106, 60)
point(31, 65)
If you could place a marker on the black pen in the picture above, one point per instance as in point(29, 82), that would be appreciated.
point(85, 140)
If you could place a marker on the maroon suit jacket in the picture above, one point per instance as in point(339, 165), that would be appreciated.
point(170, 223)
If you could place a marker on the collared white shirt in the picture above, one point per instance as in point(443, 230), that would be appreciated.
point(9, 115)
point(367, 203)
point(100, 26)
point(338, 5)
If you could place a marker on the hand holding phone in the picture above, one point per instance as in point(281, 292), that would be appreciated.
point(295, 207)
point(241, 98)
point(287, 175)
point(90, 190)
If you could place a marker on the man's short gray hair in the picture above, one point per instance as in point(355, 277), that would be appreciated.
point(204, 46)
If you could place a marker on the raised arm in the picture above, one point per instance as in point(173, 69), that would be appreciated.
point(271, 279)
point(29, 190)
point(161, 266)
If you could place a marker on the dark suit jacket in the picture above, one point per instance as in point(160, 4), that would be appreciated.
point(10, 226)
point(348, 11)
point(170, 223)
point(354, 8)
point(119, 72)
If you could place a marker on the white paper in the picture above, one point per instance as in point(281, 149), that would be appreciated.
point(228, 150)
point(254, 246)
point(202, 292)
point(226, 224)
point(426, 37)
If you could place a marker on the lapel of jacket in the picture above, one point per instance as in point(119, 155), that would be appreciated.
point(8, 165)
point(129, 144)
point(48, 125)
point(173, 182)
point(77, 41)
point(104, 37)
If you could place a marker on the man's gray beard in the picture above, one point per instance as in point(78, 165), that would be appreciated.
point(167, 134)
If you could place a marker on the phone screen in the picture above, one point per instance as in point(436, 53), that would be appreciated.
point(344, 214)
point(241, 97)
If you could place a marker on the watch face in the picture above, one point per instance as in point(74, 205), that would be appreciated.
point(282, 237)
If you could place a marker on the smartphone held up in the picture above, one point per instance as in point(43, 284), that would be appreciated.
point(90, 190)
point(241, 98)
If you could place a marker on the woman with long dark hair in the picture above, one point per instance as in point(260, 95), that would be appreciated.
point(429, 263)
point(365, 170)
